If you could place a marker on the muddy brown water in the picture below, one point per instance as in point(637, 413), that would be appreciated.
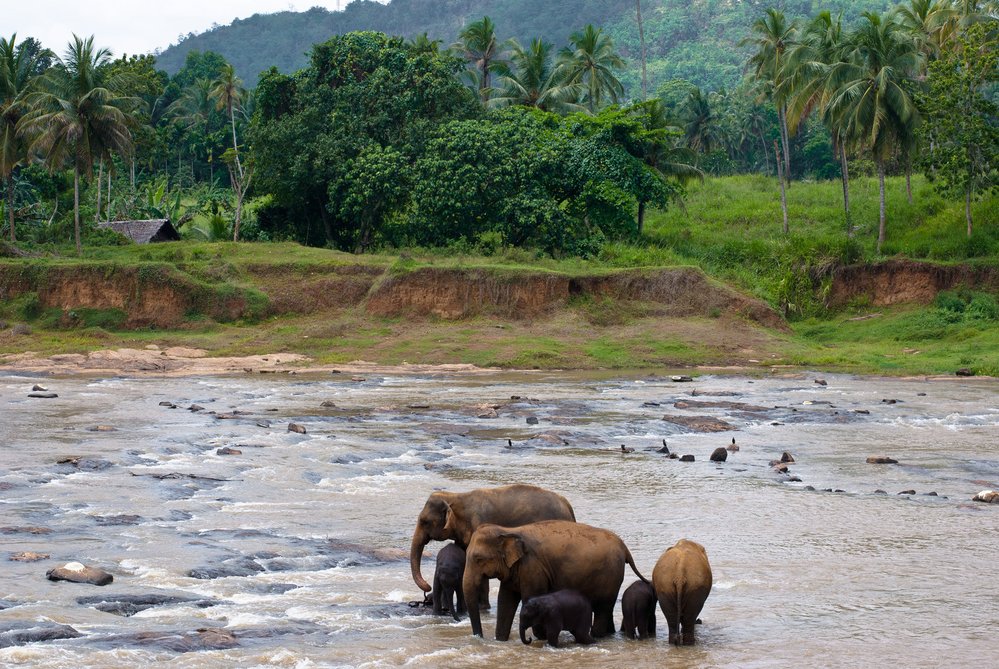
point(293, 553)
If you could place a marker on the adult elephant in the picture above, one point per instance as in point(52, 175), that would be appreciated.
point(544, 557)
point(456, 515)
point(682, 581)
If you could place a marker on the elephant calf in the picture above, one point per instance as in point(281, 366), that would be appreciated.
point(638, 604)
point(682, 581)
point(547, 615)
point(447, 581)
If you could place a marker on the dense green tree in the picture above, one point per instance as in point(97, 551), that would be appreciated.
point(78, 117)
point(962, 123)
point(591, 61)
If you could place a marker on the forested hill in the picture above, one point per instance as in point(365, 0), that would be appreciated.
point(695, 40)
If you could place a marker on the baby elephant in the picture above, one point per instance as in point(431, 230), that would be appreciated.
point(682, 579)
point(447, 581)
point(547, 615)
point(638, 604)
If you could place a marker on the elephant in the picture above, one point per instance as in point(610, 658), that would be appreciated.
point(547, 615)
point(682, 581)
point(447, 581)
point(456, 515)
point(543, 557)
point(638, 604)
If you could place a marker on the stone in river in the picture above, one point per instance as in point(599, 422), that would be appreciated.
point(987, 496)
point(21, 632)
point(532, 420)
point(700, 423)
point(28, 556)
point(225, 450)
point(128, 605)
point(76, 572)
point(681, 378)
point(720, 454)
point(907, 492)
point(686, 458)
point(102, 428)
point(786, 457)
point(881, 460)
point(46, 396)
point(295, 427)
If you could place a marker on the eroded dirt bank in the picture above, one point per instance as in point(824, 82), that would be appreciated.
point(905, 282)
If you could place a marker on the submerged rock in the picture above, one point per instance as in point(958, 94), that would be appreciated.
point(28, 556)
point(225, 450)
point(295, 427)
point(21, 632)
point(987, 496)
point(720, 454)
point(76, 572)
point(700, 423)
point(129, 605)
point(786, 457)
point(44, 396)
point(881, 460)
point(240, 566)
point(687, 458)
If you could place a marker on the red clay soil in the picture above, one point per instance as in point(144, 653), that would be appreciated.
point(905, 281)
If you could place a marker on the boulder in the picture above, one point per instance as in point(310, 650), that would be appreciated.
point(987, 496)
point(681, 378)
point(532, 420)
point(295, 427)
point(46, 396)
point(76, 572)
point(28, 556)
point(881, 460)
point(700, 423)
point(964, 371)
point(907, 492)
point(102, 428)
point(328, 404)
point(225, 450)
point(687, 458)
point(786, 457)
point(128, 605)
point(21, 632)
point(720, 454)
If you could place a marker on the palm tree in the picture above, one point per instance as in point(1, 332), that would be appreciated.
point(531, 79)
point(17, 72)
point(478, 44)
point(931, 23)
point(772, 36)
point(423, 44)
point(701, 129)
point(870, 98)
point(591, 61)
point(641, 41)
point(77, 117)
point(228, 92)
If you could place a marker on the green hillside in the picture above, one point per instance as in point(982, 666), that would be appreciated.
point(691, 39)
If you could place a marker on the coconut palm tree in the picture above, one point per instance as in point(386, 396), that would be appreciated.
point(772, 35)
point(478, 44)
point(78, 118)
point(591, 61)
point(531, 79)
point(701, 129)
point(17, 72)
point(931, 23)
point(228, 92)
point(870, 98)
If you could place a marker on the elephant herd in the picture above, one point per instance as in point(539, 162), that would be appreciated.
point(567, 574)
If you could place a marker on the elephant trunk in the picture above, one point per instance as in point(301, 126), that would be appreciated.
point(523, 630)
point(470, 586)
point(420, 539)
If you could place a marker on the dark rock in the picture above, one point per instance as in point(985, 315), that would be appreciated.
point(964, 371)
point(168, 404)
point(327, 404)
point(295, 427)
point(889, 401)
point(21, 632)
point(650, 404)
point(932, 493)
point(786, 457)
point(734, 406)
point(532, 420)
point(46, 396)
point(881, 460)
point(102, 428)
point(720, 454)
point(86, 464)
point(879, 491)
point(920, 394)
point(839, 490)
point(907, 492)
point(195, 408)
point(700, 423)
point(25, 529)
point(122, 519)
point(987, 496)
point(76, 572)
point(779, 467)
point(240, 566)
point(179, 642)
point(225, 450)
point(681, 378)
point(820, 382)
point(865, 412)
point(687, 458)
point(38, 389)
point(809, 487)
point(28, 556)
point(794, 479)
point(129, 605)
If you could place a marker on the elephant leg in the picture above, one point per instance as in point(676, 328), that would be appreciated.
point(539, 631)
point(553, 631)
point(672, 618)
point(628, 626)
point(506, 608)
point(484, 595)
point(582, 632)
point(603, 619)
point(652, 622)
point(437, 597)
point(462, 609)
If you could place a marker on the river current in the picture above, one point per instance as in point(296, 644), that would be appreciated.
point(293, 552)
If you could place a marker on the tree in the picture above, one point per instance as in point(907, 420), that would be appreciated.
point(18, 68)
point(228, 92)
point(961, 121)
point(930, 22)
point(591, 61)
point(701, 131)
point(478, 44)
point(870, 93)
point(78, 117)
point(641, 41)
point(531, 79)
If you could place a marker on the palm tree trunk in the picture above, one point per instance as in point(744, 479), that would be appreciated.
point(641, 216)
point(766, 152)
point(76, 208)
point(908, 178)
point(235, 144)
point(10, 207)
point(846, 189)
point(783, 192)
point(107, 212)
point(881, 208)
point(100, 181)
point(641, 39)
point(782, 114)
point(967, 210)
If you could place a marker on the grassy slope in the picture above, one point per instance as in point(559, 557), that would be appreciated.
point(731, 228)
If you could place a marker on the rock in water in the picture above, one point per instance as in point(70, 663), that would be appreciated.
point(225, 450)
point(76, 572)
point(687, 458)
point(295, 427)
point(786, 457)
point(987, 496)
point(881, 460)
point(38, 389)
point(46, 396)
point(720, 454)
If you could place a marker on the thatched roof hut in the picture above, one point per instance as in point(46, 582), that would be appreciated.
point(144, 232)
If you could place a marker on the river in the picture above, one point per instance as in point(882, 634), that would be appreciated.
point(293, 553)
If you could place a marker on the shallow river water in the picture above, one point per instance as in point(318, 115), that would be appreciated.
point(294, 552)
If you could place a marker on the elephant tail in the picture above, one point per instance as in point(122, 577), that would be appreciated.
point(631, 561)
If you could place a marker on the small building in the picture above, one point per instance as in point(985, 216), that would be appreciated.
point(144, 232)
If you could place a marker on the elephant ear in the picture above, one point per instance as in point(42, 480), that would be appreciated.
point(512, 549)
point(449, 519)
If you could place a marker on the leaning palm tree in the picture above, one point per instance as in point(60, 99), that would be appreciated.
point(228, 93)
point(591, 61)
point(78, 118)
point(17, 72)
point(771, 36)
point(869, 93)
point(530, 79)
point(478, 44)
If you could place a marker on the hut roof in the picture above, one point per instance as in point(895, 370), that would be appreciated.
point(144, 232)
